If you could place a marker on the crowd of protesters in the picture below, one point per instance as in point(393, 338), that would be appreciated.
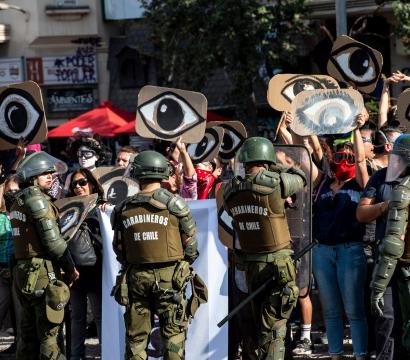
point(349, 202)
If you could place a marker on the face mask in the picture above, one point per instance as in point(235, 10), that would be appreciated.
point(9, 198)
point(343, 171)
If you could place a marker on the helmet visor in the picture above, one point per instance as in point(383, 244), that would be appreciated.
point(397, 165)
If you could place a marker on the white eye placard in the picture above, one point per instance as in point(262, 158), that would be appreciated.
point(322, 112)
point(21, 115)
point(355, 64)
point(284, 87)
point(166, 113)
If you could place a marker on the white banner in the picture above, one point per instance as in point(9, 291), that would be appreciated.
point(205, 339)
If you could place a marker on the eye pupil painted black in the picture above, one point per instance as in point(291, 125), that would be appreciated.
point(305, 85)
point(117, 192)
point(200, 149)
point(16, 117)
point(170, 114)
point(407, 114)
point(359, 62)
point(227, 142)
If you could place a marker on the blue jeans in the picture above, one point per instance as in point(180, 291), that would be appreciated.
point(340, 272)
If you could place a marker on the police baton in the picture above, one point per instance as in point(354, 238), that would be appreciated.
point(265, 285)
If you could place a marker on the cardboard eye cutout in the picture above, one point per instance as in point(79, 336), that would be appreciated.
point(403, 107)
point(166, 113)
point(284, 87)
point(355, 64)
point(73, 211)
point(117, 187)
point(323, 112)
point(225, 229)
point(208, 148)
point(234, 136)
point(21, 115)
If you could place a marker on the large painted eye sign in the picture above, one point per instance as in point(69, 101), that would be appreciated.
point(355, 63)
point(70, 215)
point(169, 115)
point(232, 141)
point(210, 143)
point(403, 107)
point(326, 112)
point(300, 83)
point(20, 116)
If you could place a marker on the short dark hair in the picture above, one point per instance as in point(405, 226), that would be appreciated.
point(98, 189)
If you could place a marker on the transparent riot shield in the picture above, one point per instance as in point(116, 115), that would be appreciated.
point(299, 210)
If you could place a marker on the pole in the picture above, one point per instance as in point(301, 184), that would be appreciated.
point(341, 17)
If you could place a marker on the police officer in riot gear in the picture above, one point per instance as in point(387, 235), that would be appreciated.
point(154, 239)
point(263, 243)
point(394, 249)
point(40, 252)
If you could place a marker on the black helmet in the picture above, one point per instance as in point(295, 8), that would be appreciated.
point(149, 165)
point(257, 149)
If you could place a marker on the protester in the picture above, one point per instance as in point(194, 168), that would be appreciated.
point(88, 263)
point(123, 156)
point(40, 252)
point(8, 299)
point(373, 206)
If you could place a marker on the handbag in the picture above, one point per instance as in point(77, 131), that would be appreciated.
point(81, 247)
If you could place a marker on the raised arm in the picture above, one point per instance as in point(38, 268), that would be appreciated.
point(362, 176)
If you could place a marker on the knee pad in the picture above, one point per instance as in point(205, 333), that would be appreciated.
point(174, 346)
point(272, 346)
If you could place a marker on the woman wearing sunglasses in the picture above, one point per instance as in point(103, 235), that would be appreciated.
point(89, 285)
point(339, 263)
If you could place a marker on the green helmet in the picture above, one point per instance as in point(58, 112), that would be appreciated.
point(257, 149)
point(149, 165)
point(33, 165)
point(402, 147)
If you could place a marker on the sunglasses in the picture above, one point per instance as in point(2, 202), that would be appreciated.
point(81, 182)
point(339, 156)
point(86, 154)
point(366, 140)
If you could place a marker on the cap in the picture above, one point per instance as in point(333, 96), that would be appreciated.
point(57, 296)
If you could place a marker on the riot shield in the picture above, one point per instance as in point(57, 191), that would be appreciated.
point(117, 187)
point(299, 210)
point(73, 210)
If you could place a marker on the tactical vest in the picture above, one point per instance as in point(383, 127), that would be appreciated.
point(259, 219)
point(27, 243)
point(150, 232)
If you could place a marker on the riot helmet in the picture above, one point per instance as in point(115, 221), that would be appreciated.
point(257, 149)
point(399, 158)
point(149, 165)
point(33, 165)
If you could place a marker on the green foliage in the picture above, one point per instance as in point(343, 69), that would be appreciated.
point(196, 37)
point(401, 11)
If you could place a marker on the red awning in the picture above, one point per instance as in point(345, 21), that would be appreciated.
point(130, 127)
point(103, 121)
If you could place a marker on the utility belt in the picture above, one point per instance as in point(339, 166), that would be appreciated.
point(32, 268)
point(183, 274)
point(242, 257)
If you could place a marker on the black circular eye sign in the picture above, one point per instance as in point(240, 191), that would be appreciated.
point(169, 114)
point(70, 215)
point(208, 147)
point(117, 192)
point(20, 115)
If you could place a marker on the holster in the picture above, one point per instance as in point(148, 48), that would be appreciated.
point(199, 294)
point(120, 289)
point(182, 274)
point(33, 270)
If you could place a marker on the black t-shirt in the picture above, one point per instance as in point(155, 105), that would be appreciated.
point(380, 190)
point(334, 220)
